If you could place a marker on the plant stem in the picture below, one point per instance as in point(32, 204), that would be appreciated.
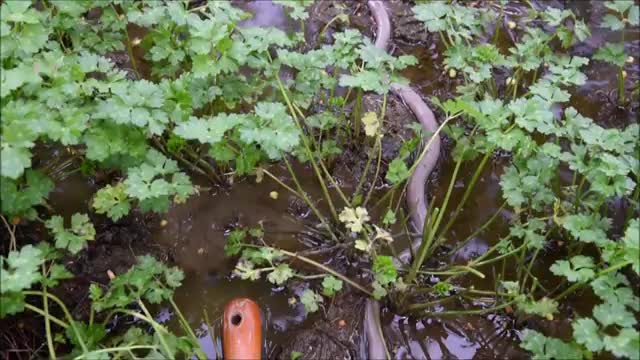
point(465, 196)
point(131, 55)
point(326, 269)
point(324, 28)
point(357, 115)
point(274, 178)
point(41, 312)
point(364, 175)
point(119, 348)
point(334, 183)
point(308, 149)
point(47, 323)
point(427, 249)
point(157, 327)
point(66, 312)
point(187, 328)
point(304, 195)
point(468, 312)
point(478, 230)
point(12, 234)
point(211, 333)
point(375, 176)
point(425, 305)
point(621, 97)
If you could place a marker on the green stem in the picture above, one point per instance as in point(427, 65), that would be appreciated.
point(274, 178)
point(119, 348)
point(357, 115)
point(327, 269)
point(305, 197)
point(324, 29)
point(187, 328)
point(425, 305)
point(465, 196)
point(364, 175)
point(445, 202)
point(131, 55)
point(375, 176)
point(334, 183)
point(67, 314)
point(468, 312)
point(158, 328)
point(478, 230)
point(499, 257)
point(41, 312)
point(211, 333)
point(47, 323)
point(308, 150)
point(621, 97)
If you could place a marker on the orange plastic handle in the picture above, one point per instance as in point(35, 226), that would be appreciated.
point(242, 330)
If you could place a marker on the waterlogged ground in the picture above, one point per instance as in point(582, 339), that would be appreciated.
point(192, 234)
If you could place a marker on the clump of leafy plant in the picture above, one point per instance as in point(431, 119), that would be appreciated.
point(623, 14)
point(604, 164)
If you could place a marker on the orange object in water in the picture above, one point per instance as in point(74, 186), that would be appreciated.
point(242, 330)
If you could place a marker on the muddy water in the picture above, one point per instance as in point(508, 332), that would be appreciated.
point(196, 231)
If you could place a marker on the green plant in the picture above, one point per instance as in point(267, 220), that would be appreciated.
point(623, 13)
point(517, 118)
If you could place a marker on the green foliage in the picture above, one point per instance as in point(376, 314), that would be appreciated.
point(280, 274)
point(542, 347)
point(311, 300)
point(113, 201)
point(19, 199)
point(612, 54)
point(457, 21)
point(379, 69)
point(298, 8)
point(18, 271)
point(147, 183)
point(148, 280)
point(578, 268)
point(541, 145)
point(331, 285)
point(384, 270)
point(233, 246)
point(397, 172)
point(75, 237)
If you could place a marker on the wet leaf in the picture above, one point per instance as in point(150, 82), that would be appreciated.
point(75, 237)
point(585, 331)
point(331, 285)
point(397, 172)
point(310, 300)
point(280, 274)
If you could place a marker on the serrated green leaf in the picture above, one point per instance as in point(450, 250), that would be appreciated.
point(585, 331)
point(611, 53)
point(20, 269)
point(331, 285)
point(113, 201)
point(280, 274)
point(310, 300)
point(397, 172)
point(74, 238)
